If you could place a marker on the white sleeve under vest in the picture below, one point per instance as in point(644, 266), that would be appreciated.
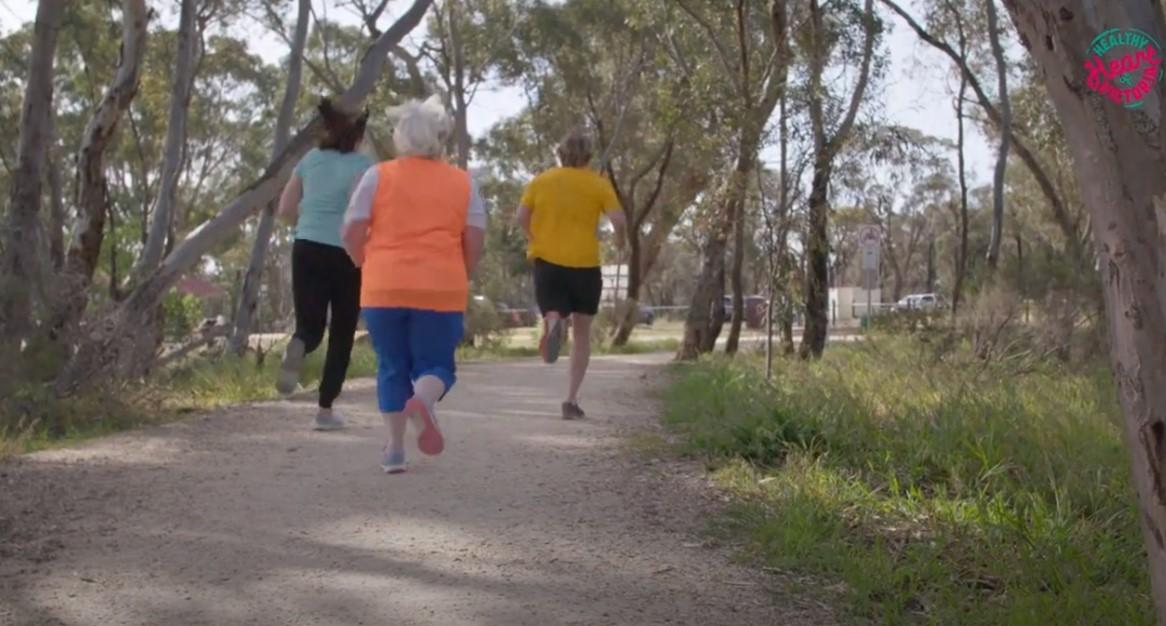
point(360, 203)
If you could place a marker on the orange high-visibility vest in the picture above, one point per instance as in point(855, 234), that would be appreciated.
point(413, 256)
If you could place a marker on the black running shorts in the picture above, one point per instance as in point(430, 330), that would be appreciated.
point(567, 290)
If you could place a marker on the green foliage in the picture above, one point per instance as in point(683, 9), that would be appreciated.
point(227, 379)
point(483, 324)
point(933, 491)
point(32, 417)
point(181, 313)
point(911, 321)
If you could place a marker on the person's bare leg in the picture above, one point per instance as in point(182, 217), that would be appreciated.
point(394, 460)
point(580, 354)
point(427, 390)
point(552, 337)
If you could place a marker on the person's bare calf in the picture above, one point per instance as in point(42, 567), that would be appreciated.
point(580, 359)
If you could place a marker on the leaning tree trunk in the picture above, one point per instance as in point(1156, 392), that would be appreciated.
point(92, 185)
point(112, 351)
point(189, 40)
point(21, 260)
point(249, 295)
point(1119, 155)
point(1005, 139)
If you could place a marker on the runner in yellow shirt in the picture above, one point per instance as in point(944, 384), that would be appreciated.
point(560, 213)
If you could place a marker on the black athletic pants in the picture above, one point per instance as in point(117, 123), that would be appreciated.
point(323, 276)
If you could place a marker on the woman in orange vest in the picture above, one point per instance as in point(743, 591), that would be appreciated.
point(416, 226)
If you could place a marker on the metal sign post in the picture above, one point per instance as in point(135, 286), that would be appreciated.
point(870, 241)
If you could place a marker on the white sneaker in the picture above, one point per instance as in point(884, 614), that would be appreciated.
point(393, 462)
point(329, 421)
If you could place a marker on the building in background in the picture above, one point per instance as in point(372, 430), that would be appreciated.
point(615, 283)
point(848, 304)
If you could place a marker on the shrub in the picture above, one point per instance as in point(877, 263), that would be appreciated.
point(483, 324)
point(181, 313)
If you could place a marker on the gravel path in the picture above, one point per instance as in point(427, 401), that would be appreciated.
point(245, 516)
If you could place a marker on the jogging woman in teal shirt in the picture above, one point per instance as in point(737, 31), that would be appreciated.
point(323, 277)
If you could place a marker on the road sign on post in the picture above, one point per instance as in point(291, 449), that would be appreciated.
point(870, 243)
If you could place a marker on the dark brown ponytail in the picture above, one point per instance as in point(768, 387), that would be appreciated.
point(342, 131)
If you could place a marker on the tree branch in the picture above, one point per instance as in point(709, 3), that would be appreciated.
point(722, 53)
point(1060, 210)
point(843, 130)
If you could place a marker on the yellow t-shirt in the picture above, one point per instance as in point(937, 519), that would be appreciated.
point(565, 205)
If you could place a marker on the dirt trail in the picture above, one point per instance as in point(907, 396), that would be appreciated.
point(245, 516)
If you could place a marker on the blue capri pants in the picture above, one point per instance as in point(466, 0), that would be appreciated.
point(409, 344)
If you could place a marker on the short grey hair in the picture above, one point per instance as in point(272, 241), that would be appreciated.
point(420, 129)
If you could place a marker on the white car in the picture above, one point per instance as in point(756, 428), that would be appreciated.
point(918, 302)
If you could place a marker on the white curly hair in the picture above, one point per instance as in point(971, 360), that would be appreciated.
point(421, 128)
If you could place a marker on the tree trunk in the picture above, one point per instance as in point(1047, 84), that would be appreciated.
point(818, 259)
point(460, 105)
point(1005, 138)
point(92, 186)
point(249, 297)
point(56, 212)
point(787, 310)
point(1114, 149)
point(189, 40)
point(1020, 286)
point(21, 250)
point(931, 269)
point(825, 151)
point(642, 253)
point(706, 313)
point(112, 350)
point(961, 256)
point(630, 316)
point(737, 278)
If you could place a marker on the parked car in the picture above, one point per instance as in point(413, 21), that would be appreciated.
point(755, 308)
point(517, 317)
point(644, 315)
point(647, 316)
point(918, 302)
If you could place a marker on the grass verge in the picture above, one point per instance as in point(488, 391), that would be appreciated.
point(926, 491)
point(32, 418)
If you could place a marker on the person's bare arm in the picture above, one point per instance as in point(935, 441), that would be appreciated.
point(289, 200)
point(473, 242)
point(524, 214)
point(474, 235)
point(619, 222)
